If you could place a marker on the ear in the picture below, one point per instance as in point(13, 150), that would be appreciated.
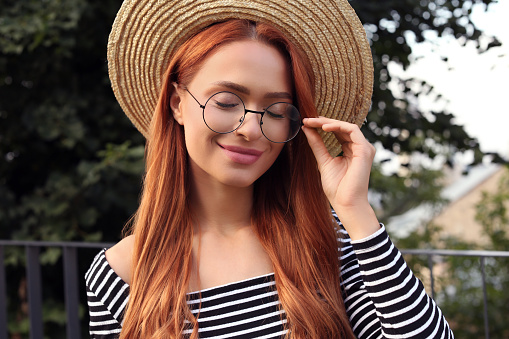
point(175, 104)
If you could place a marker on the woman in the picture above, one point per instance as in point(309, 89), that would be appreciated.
point(234, 236)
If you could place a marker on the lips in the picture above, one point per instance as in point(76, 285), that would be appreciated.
point(241, 155)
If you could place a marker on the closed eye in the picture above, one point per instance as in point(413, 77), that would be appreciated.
point(274, 115)
point(225, 105)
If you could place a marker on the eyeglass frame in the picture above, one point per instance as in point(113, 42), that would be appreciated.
point(262, 113)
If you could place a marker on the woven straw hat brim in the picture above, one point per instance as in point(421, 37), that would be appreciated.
point(146, 34)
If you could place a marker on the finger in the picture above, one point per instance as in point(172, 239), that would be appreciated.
point(323, 120)
point(330, 123)
point(344, 131)
point(317, 145)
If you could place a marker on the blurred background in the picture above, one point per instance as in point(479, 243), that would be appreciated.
point(71, 163)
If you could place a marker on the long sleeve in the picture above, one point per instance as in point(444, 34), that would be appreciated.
point(383, 298)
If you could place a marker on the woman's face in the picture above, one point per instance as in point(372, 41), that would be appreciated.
point(259, 75)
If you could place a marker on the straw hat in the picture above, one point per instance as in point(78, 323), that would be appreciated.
point(146, 33)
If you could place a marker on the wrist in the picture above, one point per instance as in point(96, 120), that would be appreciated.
point(360, 221)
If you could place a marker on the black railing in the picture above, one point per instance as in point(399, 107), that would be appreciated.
point(72, 281)
point(482, 255)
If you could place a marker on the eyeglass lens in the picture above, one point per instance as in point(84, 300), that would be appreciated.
point(224, 113)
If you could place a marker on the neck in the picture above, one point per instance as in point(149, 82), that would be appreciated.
point(220, 208)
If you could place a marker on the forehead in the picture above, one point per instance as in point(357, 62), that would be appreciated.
point(252, 64)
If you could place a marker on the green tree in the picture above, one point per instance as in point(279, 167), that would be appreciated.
point(72, 163)
point(395, 121)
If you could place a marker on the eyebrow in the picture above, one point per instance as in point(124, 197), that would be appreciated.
point(245, 90)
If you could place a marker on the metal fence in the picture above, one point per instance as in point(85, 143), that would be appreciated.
point(482, 255)
point(72, 281)
point(33, 271)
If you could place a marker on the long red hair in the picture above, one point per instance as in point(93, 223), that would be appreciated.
point(291, 213)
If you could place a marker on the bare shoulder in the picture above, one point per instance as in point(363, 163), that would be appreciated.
point(120, 256)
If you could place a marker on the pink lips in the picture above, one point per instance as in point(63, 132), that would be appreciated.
point(241, 155)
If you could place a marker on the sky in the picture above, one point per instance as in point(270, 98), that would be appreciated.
point(476, 86)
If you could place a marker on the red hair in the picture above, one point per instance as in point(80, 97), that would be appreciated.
point(291, 213)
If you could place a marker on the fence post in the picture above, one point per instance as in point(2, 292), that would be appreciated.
point(3, 296)
point(485, 297)
point(431, 278)
point(34, 292)
point(71, 292)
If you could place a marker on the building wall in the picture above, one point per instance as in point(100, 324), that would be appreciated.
point(458, 218)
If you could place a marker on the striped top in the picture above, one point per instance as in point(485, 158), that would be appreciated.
point(383, 299)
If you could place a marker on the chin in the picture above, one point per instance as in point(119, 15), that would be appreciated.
point(239, 182)
point(241, 178)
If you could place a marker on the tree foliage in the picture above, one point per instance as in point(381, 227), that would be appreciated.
point(395, 121)
point(71, 163)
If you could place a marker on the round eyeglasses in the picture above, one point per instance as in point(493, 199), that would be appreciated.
point(224, 112)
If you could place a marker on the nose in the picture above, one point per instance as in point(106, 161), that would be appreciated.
point(250, 127)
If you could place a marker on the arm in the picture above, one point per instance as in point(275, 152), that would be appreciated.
point(382, 297)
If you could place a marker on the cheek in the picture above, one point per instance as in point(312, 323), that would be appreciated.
point(275, 152)
point(195, 129)
point(196, 139)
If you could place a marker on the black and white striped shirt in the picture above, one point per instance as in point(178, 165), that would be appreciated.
point(383, 299)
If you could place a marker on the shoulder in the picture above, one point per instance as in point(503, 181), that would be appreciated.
point(107, 291)
point(119, 257)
